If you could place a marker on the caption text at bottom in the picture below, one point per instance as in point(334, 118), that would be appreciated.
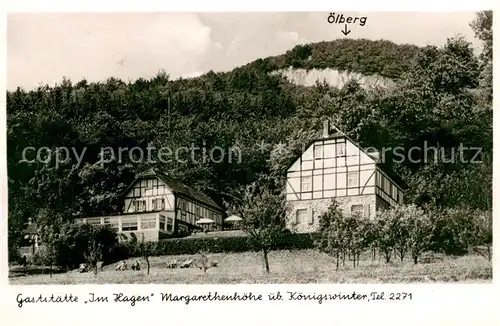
point(92, 298)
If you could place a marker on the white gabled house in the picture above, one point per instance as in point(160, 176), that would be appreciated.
point(335, 166)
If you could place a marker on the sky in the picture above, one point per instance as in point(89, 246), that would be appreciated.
point(42, 48)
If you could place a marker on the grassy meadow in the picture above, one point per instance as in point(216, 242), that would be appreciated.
point(301, 266)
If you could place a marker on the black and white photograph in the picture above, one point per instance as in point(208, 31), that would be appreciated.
point(250, 147)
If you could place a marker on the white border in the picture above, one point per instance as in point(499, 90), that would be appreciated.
point(432, 305)
point(256, 5)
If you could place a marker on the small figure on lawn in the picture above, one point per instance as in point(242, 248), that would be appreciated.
point(122, 266)
point(186, 263)
point(136, 266)
point(83, 268)
point(172, 264)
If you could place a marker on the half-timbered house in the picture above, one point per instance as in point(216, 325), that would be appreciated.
point(156, 206)
point(335, 166)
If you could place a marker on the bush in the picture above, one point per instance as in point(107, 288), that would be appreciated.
point(448, 227)
point(191, 246)
point(73, 244)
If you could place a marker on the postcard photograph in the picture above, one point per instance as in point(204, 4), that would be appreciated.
point(250, 148)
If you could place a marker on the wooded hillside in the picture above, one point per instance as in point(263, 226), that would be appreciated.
point(443, 97)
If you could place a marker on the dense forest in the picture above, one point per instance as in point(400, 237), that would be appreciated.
point(442, 97)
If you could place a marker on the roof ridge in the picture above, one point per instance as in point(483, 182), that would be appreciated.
point(188, 191)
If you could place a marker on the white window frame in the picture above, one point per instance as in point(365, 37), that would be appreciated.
point(130, 222)
point(318, 151)
point(159, 204)
point(148, 222)
point(351, 179)
point(94, 221)
point(170, 224)
point(340, 149)
point(360, 211)
point(162, 220)
point(112, 222)
point(137, 205)
point(302, 183)
point(301, 218)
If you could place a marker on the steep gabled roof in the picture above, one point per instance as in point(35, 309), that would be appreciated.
point(381, 165)
point(177, 187)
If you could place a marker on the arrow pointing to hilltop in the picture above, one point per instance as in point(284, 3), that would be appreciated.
point(345, 31)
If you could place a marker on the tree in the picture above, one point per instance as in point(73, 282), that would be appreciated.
point(48, 253)
point(264, 212)
point(446, 233)
point(483, 233)
point(331, 237)
point(358, 233)
point(420, 230)
point(93, 254)
point(384, 233)
point(482, 26)
point(45, 257)
point(474, 228)
point(146, 249)
point(432, 97)
point(399, 230)
point(403, 228)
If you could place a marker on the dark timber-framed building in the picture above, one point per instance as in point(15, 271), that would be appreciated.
point(156, 206)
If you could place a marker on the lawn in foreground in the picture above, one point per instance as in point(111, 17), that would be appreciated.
point(304, 266)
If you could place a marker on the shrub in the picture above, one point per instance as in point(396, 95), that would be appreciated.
point(448, 227)
point(192, 246)
point(45, 256)
point(73, 244)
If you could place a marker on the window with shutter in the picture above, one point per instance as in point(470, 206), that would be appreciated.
point(367, 211)
point(310, 217)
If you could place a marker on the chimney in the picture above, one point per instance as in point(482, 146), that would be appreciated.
point(326, 129)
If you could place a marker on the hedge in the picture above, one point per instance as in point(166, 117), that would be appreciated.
point(190, 246)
